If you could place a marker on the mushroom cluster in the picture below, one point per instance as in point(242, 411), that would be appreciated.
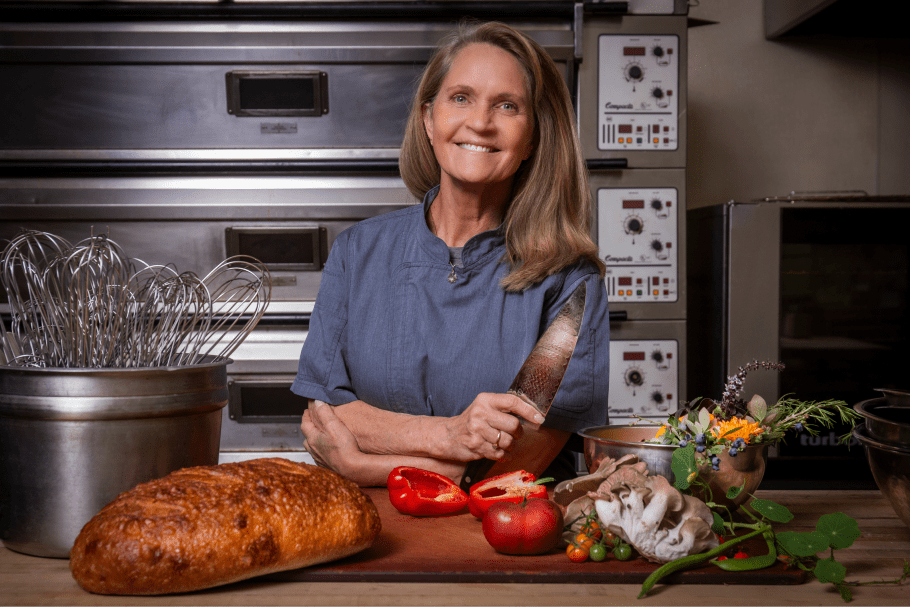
point(659, 521)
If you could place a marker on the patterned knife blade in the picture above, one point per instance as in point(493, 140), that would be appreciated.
point(541, 374)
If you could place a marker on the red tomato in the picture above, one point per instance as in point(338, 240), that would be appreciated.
point(533, 526)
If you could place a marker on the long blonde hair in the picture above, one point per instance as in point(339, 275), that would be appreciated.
point(548, 221)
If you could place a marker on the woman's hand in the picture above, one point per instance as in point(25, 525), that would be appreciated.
point(327, 439)
point(489, 426)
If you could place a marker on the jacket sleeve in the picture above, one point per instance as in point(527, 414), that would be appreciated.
point(322, 372)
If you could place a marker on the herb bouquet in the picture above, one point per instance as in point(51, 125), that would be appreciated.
point(723, 444)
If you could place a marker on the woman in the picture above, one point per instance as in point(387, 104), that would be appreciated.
point(425, 315)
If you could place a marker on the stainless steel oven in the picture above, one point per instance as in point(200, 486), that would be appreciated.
point(819, 282)
point(191, 131)
point(631, 117)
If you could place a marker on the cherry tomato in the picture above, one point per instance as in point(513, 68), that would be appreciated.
point(597, 553)
point(610, 537)
point(591, 528)
point(576, 554)
point(533, 526)
point(622, 552)
point(740, 555)
point(584, 541)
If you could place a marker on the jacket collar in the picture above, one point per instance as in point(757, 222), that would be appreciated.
point(475, 250)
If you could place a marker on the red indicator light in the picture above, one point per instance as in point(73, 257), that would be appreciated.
point(633, 355)
point(633, 204)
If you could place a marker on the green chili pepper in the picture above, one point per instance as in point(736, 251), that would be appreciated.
point(753, 562)
point(747, 564)
point(693, 560)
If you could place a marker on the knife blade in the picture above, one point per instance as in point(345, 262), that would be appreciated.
point(540, 376)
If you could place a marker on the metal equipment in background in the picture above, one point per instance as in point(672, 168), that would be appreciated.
point(190, 132)
point(819, 282)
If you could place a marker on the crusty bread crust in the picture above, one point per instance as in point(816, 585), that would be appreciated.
point(211, 525)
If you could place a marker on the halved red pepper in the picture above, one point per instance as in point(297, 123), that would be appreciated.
point(508, 487)
point(421, 492)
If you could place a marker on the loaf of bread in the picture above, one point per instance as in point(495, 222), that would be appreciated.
point(211, 525)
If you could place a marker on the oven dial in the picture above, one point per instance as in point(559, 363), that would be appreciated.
point(658, 399)
point(634, 72)
point(633, 224)
point(634, 377)
point(657, 246)
point(657, 204)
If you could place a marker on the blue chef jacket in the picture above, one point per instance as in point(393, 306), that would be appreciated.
point(388, 327)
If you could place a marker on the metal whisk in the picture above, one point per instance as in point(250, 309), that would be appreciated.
point(91, 306)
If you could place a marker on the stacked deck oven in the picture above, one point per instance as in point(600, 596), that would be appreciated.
point(631, 116)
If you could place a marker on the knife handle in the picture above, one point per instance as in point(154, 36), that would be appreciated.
point(475, 471)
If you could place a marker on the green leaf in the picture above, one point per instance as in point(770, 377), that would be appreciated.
point(839, 529)
point(683, 466)
point(733, 492)
point(771, 510)
point(718, 525)
point(758, 408)
point(704, 418)
point(829, 570)
point(802, 544)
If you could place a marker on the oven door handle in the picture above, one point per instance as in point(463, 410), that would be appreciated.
point(29, 168)
point(619, 316)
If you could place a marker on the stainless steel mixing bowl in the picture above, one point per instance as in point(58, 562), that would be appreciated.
point(890, 464)
point(71, 440)
point(616, 441)
point(886, 420)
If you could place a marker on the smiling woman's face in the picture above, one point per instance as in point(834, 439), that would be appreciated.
point(481, 123)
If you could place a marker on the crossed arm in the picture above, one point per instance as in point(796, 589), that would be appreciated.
point(365, 443)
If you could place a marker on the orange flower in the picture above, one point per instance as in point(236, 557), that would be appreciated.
point(745, 430)
point(660, 432)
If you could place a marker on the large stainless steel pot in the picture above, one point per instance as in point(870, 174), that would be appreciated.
point(71, 440)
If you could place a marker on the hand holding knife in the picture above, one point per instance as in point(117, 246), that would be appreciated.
point(539, 378)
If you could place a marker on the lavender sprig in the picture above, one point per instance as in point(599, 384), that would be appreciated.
point(731, 404)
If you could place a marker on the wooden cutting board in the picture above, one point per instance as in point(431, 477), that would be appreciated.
point(453, 549)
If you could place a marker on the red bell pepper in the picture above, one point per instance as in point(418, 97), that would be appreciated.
point(509, 487)
point(421, 492)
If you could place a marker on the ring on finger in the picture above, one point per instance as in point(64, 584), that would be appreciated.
point(498, 436)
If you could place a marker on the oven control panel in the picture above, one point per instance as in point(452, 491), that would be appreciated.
point(638, 92)
point(644, 379)
point(637, 231)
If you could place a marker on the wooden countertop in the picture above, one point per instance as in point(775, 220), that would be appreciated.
point(878, 554)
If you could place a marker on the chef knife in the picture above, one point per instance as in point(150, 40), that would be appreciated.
point(538, 379)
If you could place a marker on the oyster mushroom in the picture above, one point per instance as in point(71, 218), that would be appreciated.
point(573, 495)
point(661, 523)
